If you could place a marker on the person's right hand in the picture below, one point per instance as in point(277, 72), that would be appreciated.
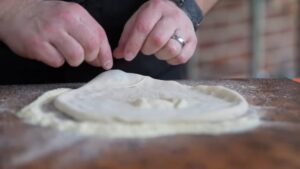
point(54, 32)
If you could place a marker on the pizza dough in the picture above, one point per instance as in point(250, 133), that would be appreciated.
point(119, 104)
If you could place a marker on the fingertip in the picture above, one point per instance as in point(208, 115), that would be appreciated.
point(108, 65)
point(106, 59)
point(49, 55)
point(90, 58)
point(75, 61)
point(173, 62)
point(129, 55)
point(117, 53)
point(59, 62)
point(129, 58)
point(120, 54)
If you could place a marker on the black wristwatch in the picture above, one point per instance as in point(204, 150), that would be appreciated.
point(193, 11)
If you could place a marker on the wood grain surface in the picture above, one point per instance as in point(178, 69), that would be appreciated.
point(274, 145)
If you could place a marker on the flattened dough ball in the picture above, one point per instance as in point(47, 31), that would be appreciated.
point(119, 104)
point(116, 95)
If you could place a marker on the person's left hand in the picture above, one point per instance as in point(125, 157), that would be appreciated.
point(150, 31)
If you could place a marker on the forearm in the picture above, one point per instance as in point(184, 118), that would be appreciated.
point(206, 5)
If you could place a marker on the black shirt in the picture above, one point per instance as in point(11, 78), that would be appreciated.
point(112, 15)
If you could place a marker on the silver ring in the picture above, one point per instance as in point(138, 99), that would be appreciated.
point(179, 39)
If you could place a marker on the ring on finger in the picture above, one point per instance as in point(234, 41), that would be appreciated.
point(179, 39)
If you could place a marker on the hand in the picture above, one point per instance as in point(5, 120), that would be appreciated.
point(150, 30)
point(54, 32)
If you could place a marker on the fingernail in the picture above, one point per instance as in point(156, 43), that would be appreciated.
point(129, 58)
point(108, 65)
point(117, 54)
point(128, 54)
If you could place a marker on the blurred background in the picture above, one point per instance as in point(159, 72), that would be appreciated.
point(249, 38)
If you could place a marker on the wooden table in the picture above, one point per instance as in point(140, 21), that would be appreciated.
point(276, 144)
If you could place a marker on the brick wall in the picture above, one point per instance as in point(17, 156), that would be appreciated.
point(224, 49)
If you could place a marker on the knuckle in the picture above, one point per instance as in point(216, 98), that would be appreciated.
point(92, 50)
point(92, 44)
point(194, 40)
point(67, 16)
point(173, 50)
point(142, 27)
point(74, 7)
point(69, 13)
point(32, 47)
point(34, 42)
point(157, 41)
point(50, 28)
point(100, 30)
point(56, 63)
point(182, 59)
point(194, 46)
point(101, 33)
point(177, 14)
point(157, 3)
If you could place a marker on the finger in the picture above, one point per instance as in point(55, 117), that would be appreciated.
point(104, 61)
point(169, 51)
point(47, 54)
point(95, 63)
point(186, 53)
point(118, 52)
point(143, 25)
point(159, 36)
point(101, 43)
point(69, 48)
point(87, 32)
point(105, 55)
